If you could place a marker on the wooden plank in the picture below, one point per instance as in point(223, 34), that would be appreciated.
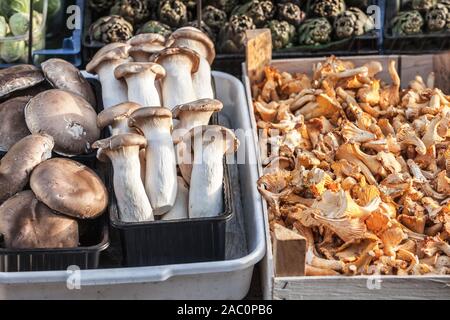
point(289, 250)
point(412, 66)
point(258, 53)
point(346, 288)
point(441, 64)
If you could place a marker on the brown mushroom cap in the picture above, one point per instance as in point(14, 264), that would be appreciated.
point(12, 124)
point(18, 78)
point(130, 68)
point(210, 131)
point(194, 34)
point(143, 114)
point(117, 142)
point(112, 51)
point(27, 223)
point(122, 110)
point(64, 75)
point(67, 117)
point(69, 187)
point(20, 160)
point(168, 52)
point(198, 105)
point(147, 42)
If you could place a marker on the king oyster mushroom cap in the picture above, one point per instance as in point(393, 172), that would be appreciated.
point(26, 223)
point(193, 114)
point(12, 125)
point(197, 40)
point(67, 117)
point(104, 63)
point(161, 172)
point(141, 80)
point(70, 188)
point(117, 117)
point(180, 208)
point(209, 144)
point(64, 75)
point(177, 86)
point(123, 151)
point(21, 159)
point(144, 45)
point(19, 77)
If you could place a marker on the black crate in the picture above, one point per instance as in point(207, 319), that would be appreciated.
point(162, 242)
point(94, 238)
point(427, 42)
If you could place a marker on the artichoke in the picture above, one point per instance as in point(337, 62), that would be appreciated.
point(232, 35)
point(438, 18)
point(134, 11)
point(224, 5)
point(153, 26)
point(205, 28)
point(10, 7)
point(19, 23)
point(407, 22)
point(13, 51)
point(422, 5)
point(327, 8)
point(4, 27)
point(352, 22)
point(111, 29)
point(214, 18)
point(283, 33)
point(100, 6)
point(260, 11)
point(173, 13)
point(291, 13)
point(315, 31)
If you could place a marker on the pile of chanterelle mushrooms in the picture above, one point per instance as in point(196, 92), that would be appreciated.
point(41, 198)
point(145, 83)
point(358, 167)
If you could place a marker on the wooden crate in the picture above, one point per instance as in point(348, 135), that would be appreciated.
point(357, 287)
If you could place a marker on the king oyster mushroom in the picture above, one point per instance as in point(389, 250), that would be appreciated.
point(198, 41)
point(161, 173)
point(67, 117)
point(209, 145)
point(12, 125)
point(64, 75)
point(177, 86)
point(117, 118)
point(19, 77)
point(180, 208)
point(104, 63)
point(21, 159)
point(26, 223)
point(70, 188)
point(141, 80)
point(123, 151)
point(144, 45)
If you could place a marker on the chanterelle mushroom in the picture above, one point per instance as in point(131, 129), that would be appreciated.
point(198, 41)
point(161, 173)
point(117, 118)
point(12, 126)
point(144, 45)
point(177, 86)
point(141, 80)
point(123, 151)
point(104, 63)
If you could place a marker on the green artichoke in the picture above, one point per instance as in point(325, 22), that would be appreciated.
point(153, 26)
point(205, 28)
point(438, 18)
point(315, 31)
point(407, 22)
point(134, 11)
point(173, 13)
point(111, 29)
point(352, 22)
point(283, 34)
point(224, 5)
point(4, 27)
point(327, 8)
point(291, 13)
point(101, 6)
point(260, 11)
point(422, 5)
point(10, 7)
point(13, 51)
point(232, 35)
point(19, 23)
point(214, 18)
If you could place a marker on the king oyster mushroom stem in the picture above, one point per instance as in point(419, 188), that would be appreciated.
point(177, 86)
point(117, 118)
point(210, 144)
point(198, 41)
point(144, 45)
point(161, 172)
point(180, 208)
point(141, 80)
point(123, 151)
point(103, 64)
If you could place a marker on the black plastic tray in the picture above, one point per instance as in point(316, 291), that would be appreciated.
point(94, 238)
point(427, 42)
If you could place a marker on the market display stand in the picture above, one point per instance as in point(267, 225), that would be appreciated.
point(278, 285)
